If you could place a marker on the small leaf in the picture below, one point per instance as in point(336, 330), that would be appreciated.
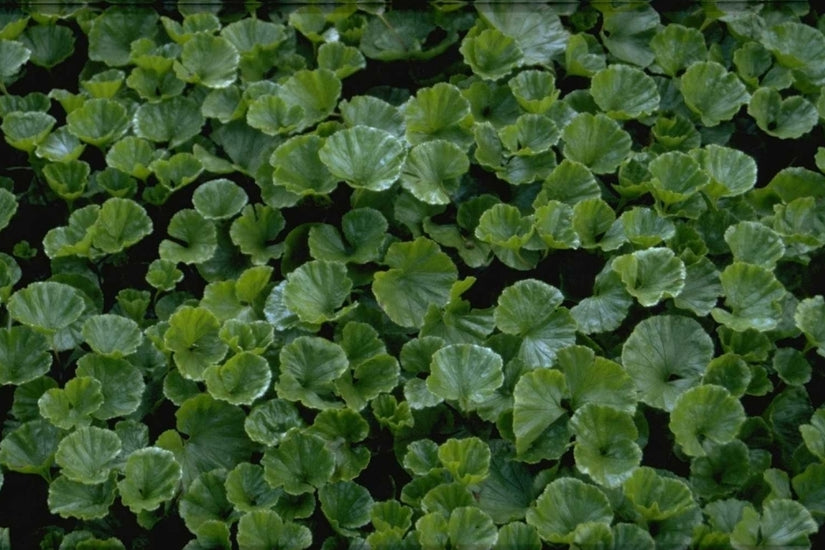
point(490, 53)
point(13, 55)
point(753, 294)
point(193, 338)
point(469, 526)
point(788, 118)
point(365, 110)
point(151, 477)
point(72, 405)
point(219, 199)
point(731, 171)
point(534, 90)
point(241, 380)
point(174, 121)
point(131, 155)
point(705, 413)
point(651, 275)
point(676, 177)
point(255, 230)
point(99, 122)
point(195, 238)
point(24, 355)
point(754, 243)
point(364, 157)
point(343, 60)
point(466, 373)
point(300, 464)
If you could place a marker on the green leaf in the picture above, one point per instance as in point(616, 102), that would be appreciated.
point(676, 177)
point(584, 55)
point(364, 230)
point(651, 274)
point(316, 289)
point(565, 504)
point(712, 92)
point(593, 379)
point(346, 506)
point(705, 413)
point(627, 31)
point(254, 337)
point(24, 355)
point(203, 504)
point(538, 32)
point(105, 84)
point(754, 243)
point(270, 420)
point(255, 230)
point(363, 157)
point(219, 199)
point(341, 59)
point(211, 61)
point(570, 182)
point(87, 455)
point(193, 338)
point(150, 477)
point(241, 380)
point(490, 53)
point(60, 146)
point(174, 121)
point(433, 169)
point(788, 118)
point(299, 169)
point(121, 384)
point(247, 489)
point(470, 527)
point(26, 130)
point(67, 179)
point(539, 419)
point(300, 463)
point(30, 448)
point(265, 529)
point(195, 238)
point(99, 122)
point(799, 47)
point(438, 112)
point(315, 92)
point(731, 171)
point(606, 308)
point(553, 224)
point(72, 499)
point(808, 317)
point(535, 90)
point(72, 405)
point(120, 224)
point(655, 497)
point(365, 110)
point(666, 355)
point(420, 275)
point(409, 39)
point(624, 92)
point(606, 447)
point(753, 296)
point(309, 367)
point(677, 47)
point(466, 373)
point(467, 460)
point(596, 141)
point(46, 306)
point(783, 522)
point(131, 155)
point(13, 55)
point(163, 275)
point(112, 33)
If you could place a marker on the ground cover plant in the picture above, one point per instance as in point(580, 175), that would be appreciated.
point(357, 276)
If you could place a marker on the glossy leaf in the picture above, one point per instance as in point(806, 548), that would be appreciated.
point(121, 384)
point(211, 61)
point(705, 413)
point(565, 504)
point(174, 121)
point(712, 92)
point(309, 367)
point(298, 167)
point(99, 122)
point(87, 454)
point(788, 118)
point(752, 294)
point(596, 141)
point(46, 306)
point(490, 53)
point(624, 92)
point(195, 238)
point(363, 157)
point(650, 275)
point(432, 171)
point(466, 373)
point(151, 477)
point(241, 380)
point(24, 355)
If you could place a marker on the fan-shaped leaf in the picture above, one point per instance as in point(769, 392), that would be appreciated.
point(151, 477)
point(174, 120)
point(219, 199)
point(712, 92)
point(299, 169)
point(208, 60)
point(346, 505)
point(754, 243)
point(299, 464)
point(121, 384)
point(315, 92)
point(535, 90)
point(112, 33)
point(255, 230)
point(25, 130)
point(72, 499)
point(606, 448)
point(490, 53)
point(731, 171)
point(565, 504)
point(466, 373)
point(269, 421)
point(624, 92)
point(606, 308)
point(651, 274)
point(67, 179)
point(47, 306)
point(438, 112)
point(131, 155)
point(24, 355)
point(87, 454)
point(195, 238)
point(309, 367)
point(341, 59)
point(420, 275)
point(30, 448)
point(60, 146)
point(112, 335)
point(364, 233)
point(467, 459)
point(364, 110)
point(316, 290)
point(676, 177)
point(677, 47)
point(364, 157)
point(193, 338)
point(432, 171)
point(705, 413)
point(596, 141)
point(241, 380)
point(753, 296)
point(98, 122)
point(808, 316)
point(665, 355)
point(13, 55)
point(266, 529)
point(788, 118)
point(538, 32)
point(72, 405)
point(120, 224)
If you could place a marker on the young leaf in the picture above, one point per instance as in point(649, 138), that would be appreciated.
point(705, 413)
point(87, 454)
point(677, 46)
point(438, 112)
point(655, 497)
point(151, 477)
point(364, 233)
point(346, 506)
point(807, 317)
point(30, 448)
point(420, 274)
point(596, 141)
point(565, 504)
point(269, 421)
point(624, 92)
point(676, 177)
point(592, 379)
point(665, 355)
point(112, 335)
point(219, 199)
point(535, 90)
point(363, 157)
point(467, 460)
point(539, 419)
point(466, 373)
point(26, 130)
point(255, 230)
point(266, 529)
point(13, 55)
point(754, 243)
point(72, 405)
point(341, 59)
point(731, 171)
point(606, 447)
point(99, 122)
point(365, 110)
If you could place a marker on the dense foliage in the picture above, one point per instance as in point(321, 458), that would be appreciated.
point(348, 276)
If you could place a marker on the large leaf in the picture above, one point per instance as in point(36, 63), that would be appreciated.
point(753, 295)
point(432, 171)
point(565, 504)
point(596, 141)
point(364, 157)
point(299, 464)
point(46, 306)
point(606, 448)
point(624, 92)
point(316, 291)
point(121, 223)
point(151, 477)
point(87, 455)
point(121, 384)
point(490, 53)
point(173, 121)
point(650, 275)
point(299, 169)
point(538, 32)
point(99, 122)
point(112, 32)
point(24, 355)
point(420, 275)
point(712, 92)
point(706, 413)
point(208, 60)
point(466, 373)
point(309, 367)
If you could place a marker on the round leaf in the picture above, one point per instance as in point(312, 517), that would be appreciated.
point(121, 384)
point(247, 489)
point(676, 177)
point(309, 366)
point(438, 112)
point(624, 92)
point(534, 90)
point(467, 460)
point(299, 464)
point(87, 454)
point(195, 238)
point(565, 504)
point(241, 380)
point(712, 92)
point(174, 120)
point(490, 53)
point(316, 290)
point(754, 243)
point(219, 199)
point(651, 274)
point(753, 295)
point(255, 230)
point(25, 130)
point(606, 448)
point(208, 60)
point(266, 529)
point(705, 413)
point(46, 306)
point(432, 171)
point(466, 373)
point(131, 155)
point(193, 338)
point(30, 448)
point(299, 169)
point(98, 122)
point(150, 477)
point(596, 141)
point(363, 157)
point(72, 405)
point(731, 171)
point(112, 335)
point(346, 506)
point(24, 355)
point(120, 224)
point(72, 499)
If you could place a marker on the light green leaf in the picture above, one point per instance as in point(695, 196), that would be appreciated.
point(365, 110)
point(702, 288)
point(255, 230)
point(112, 335)
point(174, 121)
point(467, 459)
point(24, 355)
point(241, 380)
point(584, 55)
point(754, 243)
point(605, 448)
point(705, 413)
point(565, 504)
point(46, 306)
point(72, 405)
point(60, 146)
point(341, 59)
point(175, 172)
point(624, 92)
point(651, 275)
point(299, 169)
point(606, 308)
point(120, 224)
point(799, 47)
point(470, 527)
point(208, 60)
point(665, 355)
point(116, 183)
point(677, 46)
point(13, 55)
point(105, 84)
point(30, 448)
point(26, 130)
point(644, 228)
point(490, 53)
point(593, 379)
point(783, 522)
point(131, 155)
point(432, 171)
point(300, 463)
point(150, 477)
point(72, 499)
point(420, 275)
point(195, 238)
point(553, 223)
point(808, 318)
point(539, 419)
point(364, 157)
point(67, 179)
point(264, 529)
point(676, 177)
point(788, 118)
point(753, 295)
point(316, 290)
point(570, 182)
point(309, 367)
point(121, 384)
point(535, 90)
point(627, 30)
point(466, 373)
point(656, 497)
point(163, 275)
point(193, 338)
point(530, 309)
point(272, 115)
point(596, 141)
point(112, 33)
point(712, 92)
point(731, 171)
point(438, 112)
point(538, 32)
point(87, 455)
point(219, 199)
point(99, 122)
